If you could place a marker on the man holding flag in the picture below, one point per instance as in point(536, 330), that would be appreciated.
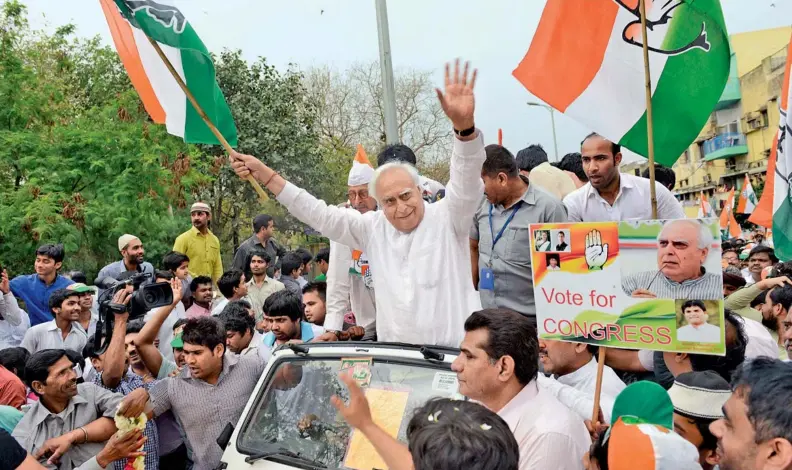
point(418, 253)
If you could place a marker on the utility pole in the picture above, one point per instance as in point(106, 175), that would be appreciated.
point(552, 122)
point(386, 66)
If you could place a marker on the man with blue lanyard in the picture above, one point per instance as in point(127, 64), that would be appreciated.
point(500, 239)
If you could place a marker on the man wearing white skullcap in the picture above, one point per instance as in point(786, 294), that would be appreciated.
point(132, 254)
point(349, 284)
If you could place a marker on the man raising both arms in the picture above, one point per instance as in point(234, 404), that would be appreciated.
point(418, 252)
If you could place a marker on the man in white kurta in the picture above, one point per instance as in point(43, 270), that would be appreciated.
point(350, 287)
point(419, 253)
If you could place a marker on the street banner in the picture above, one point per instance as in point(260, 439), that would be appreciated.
point(586, 60)
point(132, 23)
point(653, 284)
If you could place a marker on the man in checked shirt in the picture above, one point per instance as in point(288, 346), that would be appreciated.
point(210, 392)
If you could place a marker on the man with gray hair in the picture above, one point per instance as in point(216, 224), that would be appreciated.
point(418, 252)
point(682, 248)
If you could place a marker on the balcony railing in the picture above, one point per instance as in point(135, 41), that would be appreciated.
point(723, 141)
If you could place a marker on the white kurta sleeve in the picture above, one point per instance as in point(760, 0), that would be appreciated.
point(10, 311)
point(339, 286)
point(580, 402)
point(346, 226)
point(463, 193)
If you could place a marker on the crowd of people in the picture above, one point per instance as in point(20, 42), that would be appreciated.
point(409, 261)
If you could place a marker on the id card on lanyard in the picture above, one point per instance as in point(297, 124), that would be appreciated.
point(486, 277)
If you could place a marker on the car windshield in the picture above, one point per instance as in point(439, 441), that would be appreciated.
point(295, 414)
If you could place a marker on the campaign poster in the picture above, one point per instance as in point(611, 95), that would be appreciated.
point(654, 284)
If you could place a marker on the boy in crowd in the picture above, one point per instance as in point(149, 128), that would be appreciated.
point(322, 261)
point(291, 270)
point(62, 332)
point(233, 287)
point(36, 289)
point(179, 264)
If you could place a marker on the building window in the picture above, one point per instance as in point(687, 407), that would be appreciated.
point(764, 119)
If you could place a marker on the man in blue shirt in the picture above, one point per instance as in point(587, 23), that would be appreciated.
point(283, 311)
point(35, 289)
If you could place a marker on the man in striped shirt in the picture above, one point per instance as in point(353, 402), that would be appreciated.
point(210, 392)
point(682, 248)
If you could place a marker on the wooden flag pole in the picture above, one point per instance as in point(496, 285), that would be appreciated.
point(649, 121)
point(598, 387)
point(259, 190)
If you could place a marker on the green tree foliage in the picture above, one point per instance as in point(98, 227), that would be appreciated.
point(81, 163)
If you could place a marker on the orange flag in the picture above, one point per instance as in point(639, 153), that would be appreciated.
point(727, 220)
point(763, 214)
point(500, 137)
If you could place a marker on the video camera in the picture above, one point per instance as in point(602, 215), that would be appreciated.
point(143, 299)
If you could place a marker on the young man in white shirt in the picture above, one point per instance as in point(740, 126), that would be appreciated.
point(612, 196)
point(574, 369)
point(62, 332)
point(498, 368)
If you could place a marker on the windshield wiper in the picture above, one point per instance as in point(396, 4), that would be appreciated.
point(284, 453)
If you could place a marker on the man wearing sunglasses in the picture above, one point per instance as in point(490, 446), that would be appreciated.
point(682, 249)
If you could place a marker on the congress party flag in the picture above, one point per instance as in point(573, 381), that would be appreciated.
point(132, 23)
point(586, 60)
point(727, 220)
point(705, 208)
point(779, 172)
point(748, 201)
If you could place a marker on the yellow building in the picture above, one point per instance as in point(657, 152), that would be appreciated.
point(737, 138)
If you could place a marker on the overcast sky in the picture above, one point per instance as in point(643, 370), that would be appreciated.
point(494, 35)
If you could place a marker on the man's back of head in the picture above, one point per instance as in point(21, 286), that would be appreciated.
point(396, 153)
point(663, 175)
point(531, 157)
point(449, 434)
point(573, 163)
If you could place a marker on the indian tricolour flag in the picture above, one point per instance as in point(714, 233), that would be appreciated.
point(586, 60)
point(779, 175)
point(131, 23)
point(747, 202)
point(705, 208)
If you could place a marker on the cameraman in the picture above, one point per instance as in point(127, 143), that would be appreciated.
point(114, 374)
point(132, 254)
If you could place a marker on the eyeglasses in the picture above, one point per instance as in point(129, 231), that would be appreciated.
point(352, 195)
